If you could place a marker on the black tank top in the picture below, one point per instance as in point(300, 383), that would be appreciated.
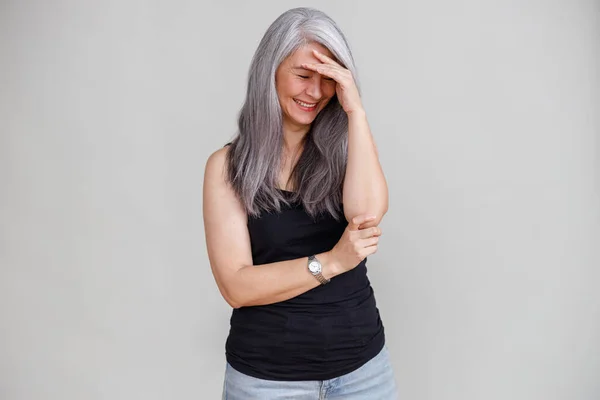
point(321, 334)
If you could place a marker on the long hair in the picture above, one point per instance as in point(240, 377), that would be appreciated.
point(254, 157)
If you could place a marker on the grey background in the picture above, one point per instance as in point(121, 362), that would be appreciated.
point(487, 118)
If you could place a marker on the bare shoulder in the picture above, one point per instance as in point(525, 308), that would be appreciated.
point(216, 185)
point(216, 164)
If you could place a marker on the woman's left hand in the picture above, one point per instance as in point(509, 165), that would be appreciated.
point(345, 87)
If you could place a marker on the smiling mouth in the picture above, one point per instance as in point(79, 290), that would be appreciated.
point(306, 106)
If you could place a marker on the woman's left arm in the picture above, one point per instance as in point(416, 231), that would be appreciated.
point(365, 189)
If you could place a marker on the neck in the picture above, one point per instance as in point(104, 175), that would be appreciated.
point(293, 136)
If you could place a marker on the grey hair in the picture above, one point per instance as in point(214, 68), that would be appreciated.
point(254, 157)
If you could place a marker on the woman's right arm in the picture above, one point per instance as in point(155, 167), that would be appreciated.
point(228, 243)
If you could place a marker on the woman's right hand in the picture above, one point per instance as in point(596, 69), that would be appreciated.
point(356, 243)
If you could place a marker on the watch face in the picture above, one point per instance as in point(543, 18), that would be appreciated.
point(314, 267)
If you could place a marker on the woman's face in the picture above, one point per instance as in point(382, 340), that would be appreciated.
point(302, 93)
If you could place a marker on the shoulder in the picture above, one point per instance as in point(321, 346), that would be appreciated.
point(216, 180)
point(216, 164)
point(218, 193)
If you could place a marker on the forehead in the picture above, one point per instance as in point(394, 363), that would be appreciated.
point(305, 54)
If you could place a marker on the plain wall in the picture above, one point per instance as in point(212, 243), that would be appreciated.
point(486, 114)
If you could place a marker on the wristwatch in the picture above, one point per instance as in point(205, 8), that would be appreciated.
point(315, 268)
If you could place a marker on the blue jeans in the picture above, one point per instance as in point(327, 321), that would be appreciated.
point(373, 381)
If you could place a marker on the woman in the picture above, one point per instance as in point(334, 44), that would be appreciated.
point(291, 209)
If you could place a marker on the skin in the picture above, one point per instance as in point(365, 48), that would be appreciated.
point(318, 78)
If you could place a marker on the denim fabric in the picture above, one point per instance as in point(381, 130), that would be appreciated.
point(373, 381)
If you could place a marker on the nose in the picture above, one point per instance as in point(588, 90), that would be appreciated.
point(314, 88)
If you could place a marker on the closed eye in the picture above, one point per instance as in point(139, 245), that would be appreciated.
point(304, 76)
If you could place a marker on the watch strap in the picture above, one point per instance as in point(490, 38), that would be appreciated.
point(321, 278)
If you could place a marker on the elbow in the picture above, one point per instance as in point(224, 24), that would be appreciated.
point(375, 204)
point(239, 303)
point(231, 286)
point(231, 299)
point(236, 290)
point(238, 297)
point(378, 216)
point(233, 304)
point(381, 210)
point(229, 294)
point(377, 210)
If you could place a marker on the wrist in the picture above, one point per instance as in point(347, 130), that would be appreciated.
point(359, 113)
point(330, 265)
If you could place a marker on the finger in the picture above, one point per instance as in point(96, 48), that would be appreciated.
point(325, 59)
point(327, 70)
point(369, 232)
point(369, 224)
point(358, 220)
point(367, 251)
point(372, 241)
